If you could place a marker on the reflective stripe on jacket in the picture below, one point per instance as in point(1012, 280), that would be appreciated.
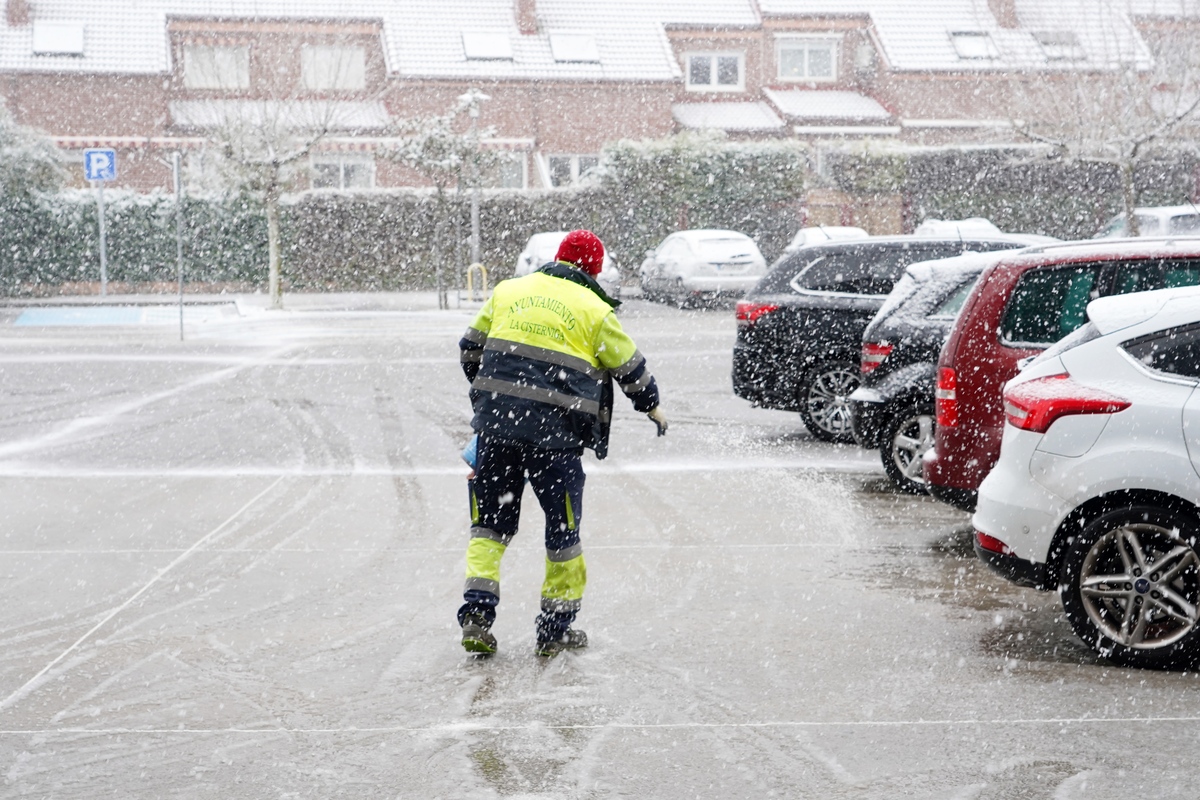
point(540, 355)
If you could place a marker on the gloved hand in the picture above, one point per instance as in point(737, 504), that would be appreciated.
point(659, 419)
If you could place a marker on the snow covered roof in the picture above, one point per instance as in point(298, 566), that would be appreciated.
point(826, 104)
point(597, 40)
point(964, 35)
point(334, 115)
point(727, 116)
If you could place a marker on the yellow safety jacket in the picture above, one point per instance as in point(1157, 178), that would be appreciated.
point(540, 355)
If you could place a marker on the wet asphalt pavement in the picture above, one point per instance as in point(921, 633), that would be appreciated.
point(229, 567)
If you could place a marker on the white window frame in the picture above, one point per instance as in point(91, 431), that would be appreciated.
point(1060, 45)
point(342, 160)
point(713, 55)
point(981, 39)
point(575, 169)
point(789, 41)
point(333, 67)
point(518, 157)
point(229, 65)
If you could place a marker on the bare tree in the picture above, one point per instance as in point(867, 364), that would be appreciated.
point(29, 161)
point(447, 151)
point(262, 146)
point(1119, 99)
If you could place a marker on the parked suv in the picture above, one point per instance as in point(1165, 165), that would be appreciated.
point(1020, 306)
point(892, 409)
point(1096, 493)
point(800, 328)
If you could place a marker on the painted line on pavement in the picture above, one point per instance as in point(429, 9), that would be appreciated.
point(36, 680)
point(467, 727)
point(832, 465)
point(83, 423)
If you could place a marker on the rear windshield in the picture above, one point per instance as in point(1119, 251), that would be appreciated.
point(724, 248)
point(870, 270)
point(954, 303)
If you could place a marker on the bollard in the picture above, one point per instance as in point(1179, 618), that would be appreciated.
point(483, 280)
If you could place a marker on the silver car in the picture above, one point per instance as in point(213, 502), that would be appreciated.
point(702, 264)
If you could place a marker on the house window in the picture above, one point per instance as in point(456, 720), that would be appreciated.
point(973, 45)
point(323, 68)
point(57, 39)
point(807, 59)
point(1060, 45)
point(570, 170)
point(487, 46)
point(714, 72)
point(508, 172)
point(206, 67)
point(343, 172)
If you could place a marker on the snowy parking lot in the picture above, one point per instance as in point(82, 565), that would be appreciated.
point(229, 567)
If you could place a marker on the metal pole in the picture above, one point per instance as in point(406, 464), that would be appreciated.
point(175, 163)
point(475, 187)
point(103, 239)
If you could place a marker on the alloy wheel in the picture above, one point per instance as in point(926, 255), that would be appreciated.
point(826, 402)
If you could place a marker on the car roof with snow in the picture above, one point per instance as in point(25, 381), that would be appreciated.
point(1154, 310)
point(1110, 250)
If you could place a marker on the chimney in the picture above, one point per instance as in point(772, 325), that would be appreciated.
point(16, 13)
point(526, 12)
point(1005, 12)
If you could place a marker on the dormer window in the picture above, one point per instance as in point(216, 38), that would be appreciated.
point(807, 59)
point(487, 46)
point(213, 67)
point(715, 72)
point(325, 67)
point(1060, 45)
point(973, 45)
point(573, 47)
point(57, 39)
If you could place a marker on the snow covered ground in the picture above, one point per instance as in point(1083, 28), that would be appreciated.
point(229, 568)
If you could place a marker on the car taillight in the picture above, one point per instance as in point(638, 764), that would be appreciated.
point(1035, 405)
point(992, 543)
point(947, 398)
point(748, 313)
point(873, 354)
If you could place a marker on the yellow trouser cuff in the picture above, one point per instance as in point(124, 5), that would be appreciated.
point(565, 580)
point(483, 559)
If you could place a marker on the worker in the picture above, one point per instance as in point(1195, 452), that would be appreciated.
point(540, 356)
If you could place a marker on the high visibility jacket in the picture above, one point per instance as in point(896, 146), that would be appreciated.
point(540, 355)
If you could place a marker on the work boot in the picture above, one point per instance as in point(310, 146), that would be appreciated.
point(476, 638)
point(571, 640)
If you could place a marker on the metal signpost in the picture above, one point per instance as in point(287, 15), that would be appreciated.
point(99, 166)
point(177, 172)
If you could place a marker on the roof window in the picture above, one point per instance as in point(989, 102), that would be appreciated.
point(487, 46)
point(1060, 45)
point(973, 45)
point(58, 38)
point(566, 47)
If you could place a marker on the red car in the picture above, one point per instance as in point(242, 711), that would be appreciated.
point(1021, 305)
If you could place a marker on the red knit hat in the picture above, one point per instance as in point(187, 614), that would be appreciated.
point(584, 250)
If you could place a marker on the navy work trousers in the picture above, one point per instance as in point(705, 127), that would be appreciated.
point(501, 470)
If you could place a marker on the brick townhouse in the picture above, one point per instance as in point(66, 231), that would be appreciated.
point(564, 77)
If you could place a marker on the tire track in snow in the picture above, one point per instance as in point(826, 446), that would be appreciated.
point(40, 677)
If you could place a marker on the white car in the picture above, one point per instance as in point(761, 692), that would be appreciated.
point(824, 233)
point(702, 264)
point(1157, 221)
point(1097, 489)
point(543, 247)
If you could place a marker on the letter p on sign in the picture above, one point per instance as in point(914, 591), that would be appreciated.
point(100, 165)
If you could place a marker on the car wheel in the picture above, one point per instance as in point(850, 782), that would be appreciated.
point(908, 436)
point(823, 404)
point(1130, 586)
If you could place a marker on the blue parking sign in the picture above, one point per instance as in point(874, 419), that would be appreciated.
point(100, 164)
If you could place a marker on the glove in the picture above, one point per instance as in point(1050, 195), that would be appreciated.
point(659, 419)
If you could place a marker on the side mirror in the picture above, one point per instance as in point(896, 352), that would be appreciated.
point(1025, 362)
